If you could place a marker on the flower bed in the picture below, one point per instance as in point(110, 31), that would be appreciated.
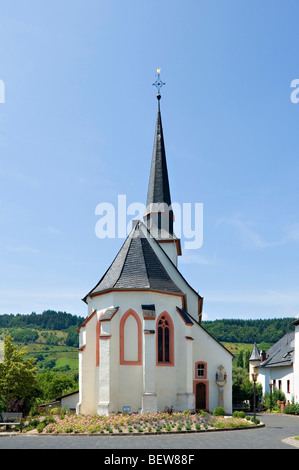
point(141, 423)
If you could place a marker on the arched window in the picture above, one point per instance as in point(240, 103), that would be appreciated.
point(201, 370)
point(130, 339)
point(165, 340)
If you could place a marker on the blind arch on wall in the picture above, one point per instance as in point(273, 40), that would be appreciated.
point(130, 339)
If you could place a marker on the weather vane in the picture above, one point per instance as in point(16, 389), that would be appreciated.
point(158, 83)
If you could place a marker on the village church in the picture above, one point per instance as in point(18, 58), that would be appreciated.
point(142, 347)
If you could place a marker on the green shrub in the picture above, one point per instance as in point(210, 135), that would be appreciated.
point(239, 414)
point(219, 411)
point(219, 425)
point(292, 409)
point(49, 419)
point(270, 401)
point(40, 426)
point(202, 412)
point(255, 421)
point(34, 412)
point(34, 423)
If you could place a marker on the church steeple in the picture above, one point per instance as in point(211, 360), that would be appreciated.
point(159, 215)
point(158, 189)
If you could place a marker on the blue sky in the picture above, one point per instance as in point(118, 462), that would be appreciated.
point(77, 129)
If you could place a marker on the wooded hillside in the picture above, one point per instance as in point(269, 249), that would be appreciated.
point(48, 320)
point(50, 327)
point(249, 331)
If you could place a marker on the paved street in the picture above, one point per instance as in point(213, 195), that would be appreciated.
point(278, 428)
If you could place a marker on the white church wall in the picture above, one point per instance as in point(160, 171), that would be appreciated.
point(166, 387)
point(114, 384)
point(130, 387)
point(87, 364)
point(171, 251)
point(114, 366)
point(100, 302)
point(209, 351)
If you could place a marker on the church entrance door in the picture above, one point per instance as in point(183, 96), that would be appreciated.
point(200, 396)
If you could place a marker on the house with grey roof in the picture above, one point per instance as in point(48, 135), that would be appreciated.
point(142, 346)
point(279, 366)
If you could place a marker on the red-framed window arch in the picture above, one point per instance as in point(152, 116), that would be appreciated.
point(164, 340)
point(123, 320)
point(201, 370)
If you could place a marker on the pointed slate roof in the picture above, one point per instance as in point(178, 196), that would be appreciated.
point(255, 355)
point(136, 266)
point(281, 353)
point(158, 189)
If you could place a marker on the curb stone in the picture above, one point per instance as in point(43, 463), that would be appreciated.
point(291, 441)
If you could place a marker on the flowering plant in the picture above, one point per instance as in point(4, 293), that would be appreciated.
point(137, 423)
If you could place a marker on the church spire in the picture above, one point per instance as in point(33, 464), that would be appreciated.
point(159, 216)
point(158, 189)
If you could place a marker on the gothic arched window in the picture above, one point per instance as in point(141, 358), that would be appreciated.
point(165, 337)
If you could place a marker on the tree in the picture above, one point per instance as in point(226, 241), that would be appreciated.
point(18, 385)
point(72, 338)
point(243, 387)
point(53, 384)
point(246, 360)
point(240, 359)
point(240, 376)
point(51, 338)
point(24, 335)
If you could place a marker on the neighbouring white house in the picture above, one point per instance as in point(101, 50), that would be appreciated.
point(68, 401)
point(279, 366)
point(142, 346)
